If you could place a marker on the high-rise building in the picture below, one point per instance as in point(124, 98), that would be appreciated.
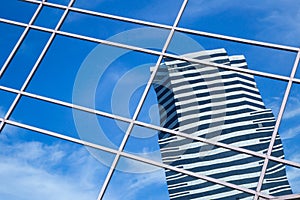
point(221, 105)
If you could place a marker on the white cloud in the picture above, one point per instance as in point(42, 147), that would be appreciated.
point(293, 107)
point(136, 10)
point(130, 186)
point(2, 113)
point(90, 3)
point(273, 103)
point(290, 118)
point(278, 20)
point(202, 8)
point(8, 129)
point(292, 113)
point(295, 156)
point(293, 173)
point(142, 182)
point(282, 23)
point(290, 133)
point(34, 171)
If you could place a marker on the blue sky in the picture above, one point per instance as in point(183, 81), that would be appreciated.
point(62, 170)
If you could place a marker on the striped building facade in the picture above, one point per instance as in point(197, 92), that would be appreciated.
point(223, 106)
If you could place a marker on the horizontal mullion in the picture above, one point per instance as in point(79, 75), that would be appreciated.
point(134, 157)
point(60, 136)
point(66, 104)
point(153, 52)
point(219, 144)
point(239, 40)
point(296, 80)
point(242, 70)
point(158, 128)
point(105, 15)
point(185, 30)
point(151, 126)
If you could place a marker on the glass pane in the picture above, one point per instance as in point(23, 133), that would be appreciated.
point(131, 181)
point(144, 142)
point(266, 21)
point(61, 2)
point(24, 60)
point(6, 100)
point(293, 176)
point(64, 120)
point(182, 186)
point(206, 159)
point(257, 86)
point(115, 30)
point(258, 58)
point(270, 97)
point(280, 180)
point(289, 129)
point(112, 80)
point(9, 37)
point(229, 107)
point(57, 72)
point(48, 17)
point(297, 75)
point(284, 179)
point(35, 166)
point(153, 185)
point(152, 10)
point(17, 10)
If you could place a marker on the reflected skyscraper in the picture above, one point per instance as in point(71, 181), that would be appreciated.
point(224, 106)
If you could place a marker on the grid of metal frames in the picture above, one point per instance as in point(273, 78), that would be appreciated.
point(133, 121)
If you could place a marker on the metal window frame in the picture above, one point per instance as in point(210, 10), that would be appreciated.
point(133, 121)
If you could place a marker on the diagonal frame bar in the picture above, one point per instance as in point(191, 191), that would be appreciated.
point(133, 121)
point(139, 107)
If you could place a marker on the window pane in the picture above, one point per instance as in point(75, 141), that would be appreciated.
point(9, 36)
point(48, 17)
point(52, 168)
point(64, 120)
point(289, 129)
point(59, 67)
point(153, 186)
point(6, 100)
point(298, 72)
point(61, 2)
point(112, 80)
point(226, 106)
point(258, 58)
point(198, 157)
point(24, 60)
point(132, 182)
point(17, 10)
point(266, 21)
point(153, 10)
point(114, 30)
point(280, 180)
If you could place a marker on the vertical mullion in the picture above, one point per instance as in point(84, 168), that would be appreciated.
point(37, 63)
point(276, 128)
point(138, 109)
